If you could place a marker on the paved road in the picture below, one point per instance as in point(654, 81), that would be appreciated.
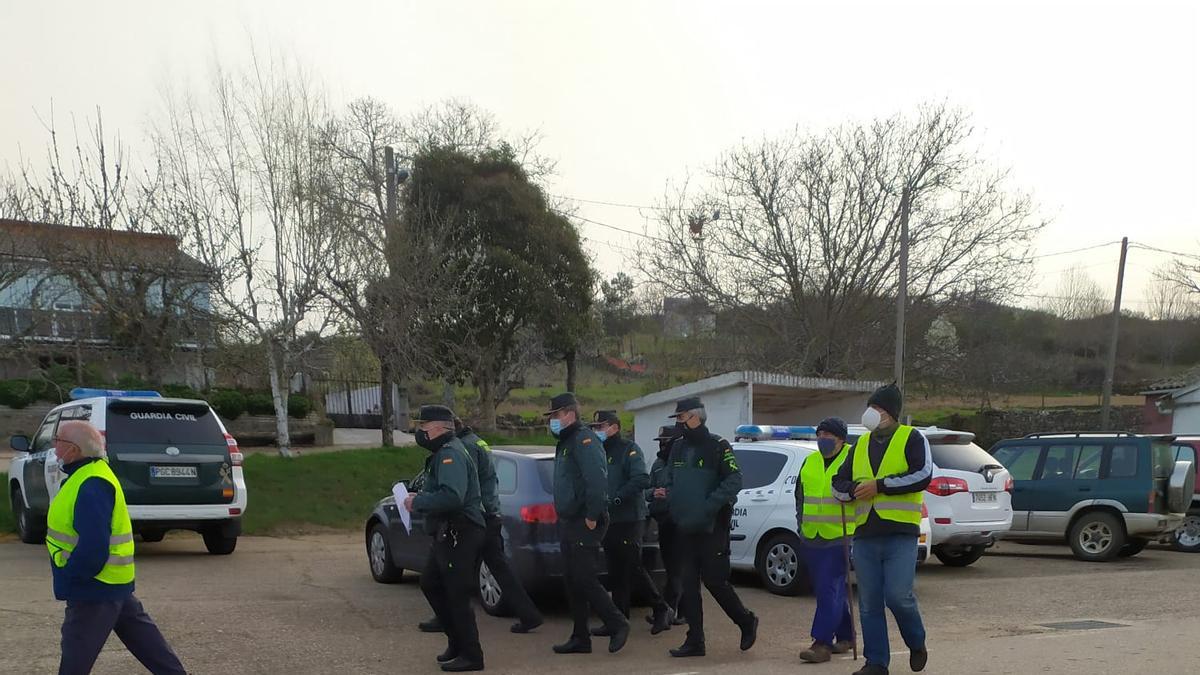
point(308, 605)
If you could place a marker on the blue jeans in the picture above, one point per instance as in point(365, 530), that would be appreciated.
point(827, 571)
point(885, 567)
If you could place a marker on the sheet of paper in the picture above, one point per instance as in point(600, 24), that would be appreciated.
point(401, 493)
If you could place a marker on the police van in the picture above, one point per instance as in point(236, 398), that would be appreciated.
point(180, 469)
point(763, 536)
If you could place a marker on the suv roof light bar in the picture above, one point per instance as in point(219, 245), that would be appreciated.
point(85, 392)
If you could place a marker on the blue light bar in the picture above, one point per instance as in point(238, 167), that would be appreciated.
point(759, 432)
point(84, 392)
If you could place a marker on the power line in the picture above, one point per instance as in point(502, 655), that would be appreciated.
point(1077, 250)
point(604, 203)
point(618, 229)
point(1162, 250)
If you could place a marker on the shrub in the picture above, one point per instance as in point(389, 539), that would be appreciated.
point(299, 406)
point(129, 381)
point(228, 403)
point(178, 391)
point(18, 393)
point(260, 404)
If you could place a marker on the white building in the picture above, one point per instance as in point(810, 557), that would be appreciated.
point(749, 397)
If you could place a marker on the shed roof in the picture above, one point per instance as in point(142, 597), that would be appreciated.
point(771, 390)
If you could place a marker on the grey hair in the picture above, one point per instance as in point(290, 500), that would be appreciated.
point(699, 412)
point(89, 440)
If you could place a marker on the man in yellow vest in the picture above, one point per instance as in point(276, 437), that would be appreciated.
point(885, 477)
point(90, 540)
point(819, 520)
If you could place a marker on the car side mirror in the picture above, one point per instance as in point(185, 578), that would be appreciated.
point(19, 443)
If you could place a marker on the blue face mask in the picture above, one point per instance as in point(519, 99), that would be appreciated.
point(602, 434)
point(555, 426)
point(826, 445)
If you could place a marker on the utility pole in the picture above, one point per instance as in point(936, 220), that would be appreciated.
point(1110, 368)
point(387, 421)
point(902, 289)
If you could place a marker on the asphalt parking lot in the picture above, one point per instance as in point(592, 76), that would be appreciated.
point(308, 605)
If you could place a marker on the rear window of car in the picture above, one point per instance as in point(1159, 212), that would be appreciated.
point(1164, 459)
point(546, 473)
point(759, 467)
point(961, 457)
point(506, 476)
point(163, 423)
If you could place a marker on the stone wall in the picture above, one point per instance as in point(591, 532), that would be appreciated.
point(991, 426)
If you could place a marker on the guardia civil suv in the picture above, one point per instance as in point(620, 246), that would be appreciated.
point(178, 466)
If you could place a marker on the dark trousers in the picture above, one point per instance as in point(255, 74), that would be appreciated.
point(667, 547)
point(827, 571)
point(448, 583)
point(623, 551)
point(86, 628)
point(704, 556)
point(510, 586)
point(581, 549)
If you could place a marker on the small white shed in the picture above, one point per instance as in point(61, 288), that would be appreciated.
point(1185, 410)
point(750, 397)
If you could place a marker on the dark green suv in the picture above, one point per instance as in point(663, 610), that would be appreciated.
point(1105, 494)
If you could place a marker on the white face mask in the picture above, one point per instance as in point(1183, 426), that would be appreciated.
point(871, 418)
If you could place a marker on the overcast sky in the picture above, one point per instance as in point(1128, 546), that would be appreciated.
point(1092, 105)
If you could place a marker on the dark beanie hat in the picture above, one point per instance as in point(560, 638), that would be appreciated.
point(889, 398)
point(835, 426)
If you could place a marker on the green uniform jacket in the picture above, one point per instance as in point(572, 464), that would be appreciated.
point(451, 489)
point(627, 480)
point(580, 481)
point(702, 479)
point(488, 483)
point(658, 478)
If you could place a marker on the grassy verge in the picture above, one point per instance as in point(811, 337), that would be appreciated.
point(7, 522)
point(330, 490)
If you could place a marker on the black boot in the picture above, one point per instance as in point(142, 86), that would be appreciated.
point(749, 632)
point(430, 626)
point(524, 626)
point(449, 655)
point(462, 664)
point(871, 669)
point(689, 649)
point(602, 631)
point(917, 659)
point(663, 617)
point(617, 640)
point(574, 646)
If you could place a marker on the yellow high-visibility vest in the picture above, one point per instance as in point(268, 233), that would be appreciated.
point(61, 537)
point(822, 514)
point(904, 508)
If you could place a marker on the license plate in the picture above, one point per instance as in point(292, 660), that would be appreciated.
point(984, 497)
point(173, 472)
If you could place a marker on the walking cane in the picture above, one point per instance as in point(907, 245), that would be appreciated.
point(849, 588)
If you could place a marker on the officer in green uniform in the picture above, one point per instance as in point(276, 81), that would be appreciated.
point(703, 481)
point(667, 535)
point(580, 500)
point(627, 483)
point(493, 544)
point(453, 509)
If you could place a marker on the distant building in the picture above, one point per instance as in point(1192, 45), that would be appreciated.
point(687, 317)
point(1173, 405)
point(53, 279)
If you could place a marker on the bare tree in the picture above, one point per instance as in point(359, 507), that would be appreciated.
point(798, 236)
point(1077, 296)
point(1168, 301)
point(242, 170)
point(115, 272)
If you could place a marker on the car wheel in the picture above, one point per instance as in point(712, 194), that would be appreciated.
point(1187, 537)
point(218, 544)
point(379, 555)
point(30, 528)
point(491, 596)
point(1097, 536)
point(959, 557)
point(1133, 548)
point(779, 565)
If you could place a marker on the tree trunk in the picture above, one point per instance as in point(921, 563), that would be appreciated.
point(487, 407)
point(571, 370)
point(279, 392)
point(387, 406)
point(448, 395)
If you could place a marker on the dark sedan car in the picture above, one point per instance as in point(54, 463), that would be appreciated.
point(526, 483)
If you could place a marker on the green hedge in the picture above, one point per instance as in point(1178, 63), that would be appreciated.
point(228, 403)
point(258, 403)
